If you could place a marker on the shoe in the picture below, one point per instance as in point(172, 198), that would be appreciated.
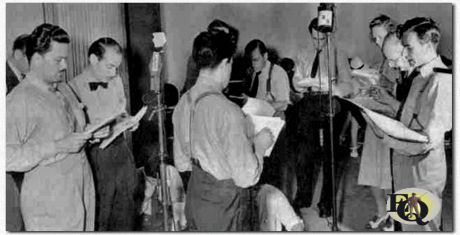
point(324, 211)
point(388, 226)
point(354, 152)
point(377, 222)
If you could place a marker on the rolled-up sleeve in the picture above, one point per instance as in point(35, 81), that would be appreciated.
point(181, 144)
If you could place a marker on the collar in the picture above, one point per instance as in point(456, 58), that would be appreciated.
point(264, 70)
point(15, 70)
point(427, 69)
point(40, 84)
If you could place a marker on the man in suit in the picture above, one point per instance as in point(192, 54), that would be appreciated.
point(17, 64)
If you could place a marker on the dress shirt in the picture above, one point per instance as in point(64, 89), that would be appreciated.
point(57, 191)
point(304, 61)
point(220, 135)
point(279, 83)
point(101, 102)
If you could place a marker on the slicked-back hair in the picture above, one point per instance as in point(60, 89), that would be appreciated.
point(20, 43)
point(253, 45)
point(99, 46)
point(40, 39)
point(426, 29)
point(385, 21)
point(209, 49)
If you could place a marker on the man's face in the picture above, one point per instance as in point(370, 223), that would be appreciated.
point(258, 60)
point(53, 63)
point(396, 55)
point(378, 34)
point(318, 36)
point(416, 51)
point(107, 66)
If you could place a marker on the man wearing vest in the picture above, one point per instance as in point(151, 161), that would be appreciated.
point(312, 137)
point(270, 82)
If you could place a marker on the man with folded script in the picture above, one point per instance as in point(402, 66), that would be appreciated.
point(100, 89)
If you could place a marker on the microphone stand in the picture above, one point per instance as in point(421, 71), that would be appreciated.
point(331, 135)
point(159, 109)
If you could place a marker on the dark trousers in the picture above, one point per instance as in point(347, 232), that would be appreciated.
point(13, 221)
point(313, 152)
point(214, 205)
point(116, 183)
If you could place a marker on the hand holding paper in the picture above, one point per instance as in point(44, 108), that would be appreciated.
point(274, 124)
point(263, 140)
point(126, 124)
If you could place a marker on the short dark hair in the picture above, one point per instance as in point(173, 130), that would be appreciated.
point(426, 29)
point(209, 49)
point(218, 25)
point(99, 46)
point(383, 20)
point(253, 45)
point(20, 43)
point(313, 25)
point(40, 39)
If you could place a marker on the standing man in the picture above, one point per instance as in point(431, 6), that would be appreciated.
point(17, 65)
point(312, 138)
point(100, 89)
point(45, 139)
point(428, 110)
point(16, 68)
point(270, 82)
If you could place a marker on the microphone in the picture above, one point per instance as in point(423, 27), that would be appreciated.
point(326, 17)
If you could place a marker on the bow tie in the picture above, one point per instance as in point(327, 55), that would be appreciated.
point(94, 85)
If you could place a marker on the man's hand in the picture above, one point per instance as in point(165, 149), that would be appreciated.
point(72, 143)
point(102, 133)
point(134, 127)
point(381, 95)
point(263, 140)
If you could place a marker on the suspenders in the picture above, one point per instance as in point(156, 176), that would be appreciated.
point(269, 83)
point(192, 115)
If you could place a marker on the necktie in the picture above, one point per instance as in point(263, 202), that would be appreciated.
point(314, 67)
point(255, 85)
point(94, 85)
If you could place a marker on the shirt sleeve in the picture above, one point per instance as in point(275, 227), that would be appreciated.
point(440, 119)
point(121, 94)
point(280, 85)
point(246, 167)
point(181, 144)
point(23, 152)
point(344, 82)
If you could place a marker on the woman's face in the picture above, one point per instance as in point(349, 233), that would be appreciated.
point(378, 34)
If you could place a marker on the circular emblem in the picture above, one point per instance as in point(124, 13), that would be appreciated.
point(413, 206)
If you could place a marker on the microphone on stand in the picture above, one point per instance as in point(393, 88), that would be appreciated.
point(326, 26)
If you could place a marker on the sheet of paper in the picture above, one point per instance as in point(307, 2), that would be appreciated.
point(97, 126)
point(123, 126)
point(369, 103)
point(258, 107)
point(275, 124)
point(391, 127)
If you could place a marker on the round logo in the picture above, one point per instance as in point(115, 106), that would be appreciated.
point(413, 206)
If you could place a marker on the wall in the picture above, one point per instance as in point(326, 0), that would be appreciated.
point(284, 26)
point(20, 19)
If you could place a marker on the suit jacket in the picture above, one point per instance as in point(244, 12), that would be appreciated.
point(11, 79)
